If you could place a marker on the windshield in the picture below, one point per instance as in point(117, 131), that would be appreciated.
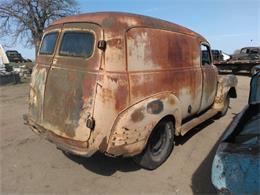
point(48, 43)
point(77, 44)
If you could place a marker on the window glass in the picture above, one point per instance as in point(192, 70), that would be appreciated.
point(244, 51)
point(77, 44)
point(254, 51)
point(48, 43)
point(205, 55)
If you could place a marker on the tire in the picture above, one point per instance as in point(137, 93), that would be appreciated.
point(225, 109)
point(159, 146)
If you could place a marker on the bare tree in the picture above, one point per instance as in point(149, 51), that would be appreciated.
point(26, 19)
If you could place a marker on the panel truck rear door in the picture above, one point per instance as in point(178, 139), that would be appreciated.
point(71, 82)
point(40, 72)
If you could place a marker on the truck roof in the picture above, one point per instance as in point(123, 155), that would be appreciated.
point(250, 48)
point(125, 21)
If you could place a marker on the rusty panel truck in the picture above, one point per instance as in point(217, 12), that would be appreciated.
point(124, 85)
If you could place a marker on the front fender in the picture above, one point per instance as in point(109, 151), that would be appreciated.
point(226, 84)
point(133, 126)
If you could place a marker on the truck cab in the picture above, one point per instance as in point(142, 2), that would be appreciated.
point(248, 53)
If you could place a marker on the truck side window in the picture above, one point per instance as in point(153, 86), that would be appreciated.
point(205, 55)
point(244, 51)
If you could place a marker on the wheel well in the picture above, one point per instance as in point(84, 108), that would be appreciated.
point(232, 92)
point(169, 117)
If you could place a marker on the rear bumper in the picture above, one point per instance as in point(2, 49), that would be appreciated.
point(72, 146)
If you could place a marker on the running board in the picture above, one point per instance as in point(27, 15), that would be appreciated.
point(198, 120)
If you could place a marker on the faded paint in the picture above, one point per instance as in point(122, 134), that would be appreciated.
point(150, 69)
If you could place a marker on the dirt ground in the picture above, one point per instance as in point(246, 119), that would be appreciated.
point(30, 164)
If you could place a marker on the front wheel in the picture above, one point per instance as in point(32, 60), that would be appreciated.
point(159, 146)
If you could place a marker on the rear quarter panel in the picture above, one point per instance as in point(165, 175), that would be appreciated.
point(160, 60)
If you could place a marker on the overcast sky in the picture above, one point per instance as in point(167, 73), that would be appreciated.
point(227, 24)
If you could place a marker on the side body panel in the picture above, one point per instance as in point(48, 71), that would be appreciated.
point(165, 79)
point(160, 61)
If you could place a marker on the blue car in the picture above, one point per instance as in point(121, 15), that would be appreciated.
point(236, 166)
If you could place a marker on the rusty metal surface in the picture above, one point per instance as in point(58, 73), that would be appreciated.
point(150, 69)
point(225, 83)
point(122, 21)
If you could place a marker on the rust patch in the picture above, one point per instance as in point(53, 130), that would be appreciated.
point(138, 115)
point(114, 79)
point(65, 141)
point(115, 43)
point(121, 97)
point(171, 101)
point(109, 21)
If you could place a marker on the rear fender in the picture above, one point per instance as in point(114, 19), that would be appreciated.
point(133, 126)
point(226, 86)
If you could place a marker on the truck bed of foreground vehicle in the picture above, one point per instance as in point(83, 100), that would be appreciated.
point(123, 84)
point(236, 166)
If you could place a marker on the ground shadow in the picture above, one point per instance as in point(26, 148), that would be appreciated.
point(246, 74)
point(107, 166)
point(104, 165)
point(180, 140)
point(201, 178)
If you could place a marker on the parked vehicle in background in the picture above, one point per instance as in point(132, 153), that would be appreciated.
point(247, 53)
point(15, 56)
point(7, 75)
point(3, 57)
point(219, 56)
point(124, 85)
point(246, 60)
point(236, 165)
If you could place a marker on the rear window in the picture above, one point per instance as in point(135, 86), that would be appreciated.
point(48, 43)
point(77, 44)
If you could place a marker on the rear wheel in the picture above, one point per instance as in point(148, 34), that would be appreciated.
point(159, 146)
